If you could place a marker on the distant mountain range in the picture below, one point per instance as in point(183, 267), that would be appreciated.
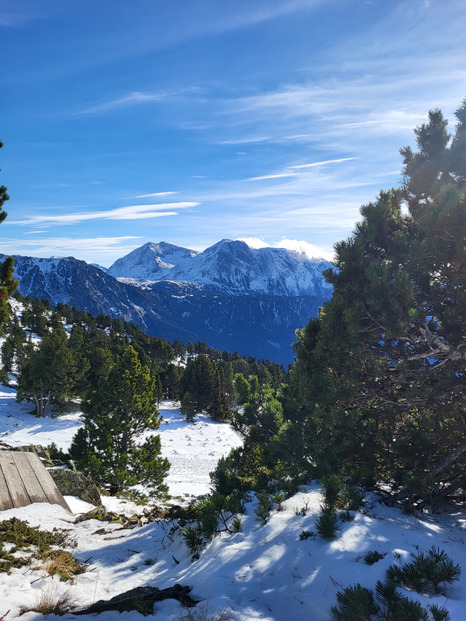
point(231, 296)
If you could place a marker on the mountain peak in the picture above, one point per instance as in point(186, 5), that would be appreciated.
point(150, 261)
point(229, 266)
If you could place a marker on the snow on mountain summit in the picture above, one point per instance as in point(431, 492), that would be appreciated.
point(231, 266)
point(150, 262)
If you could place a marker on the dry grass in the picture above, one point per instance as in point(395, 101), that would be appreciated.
point(202, 612)
point(63, 564)
point(51, 602)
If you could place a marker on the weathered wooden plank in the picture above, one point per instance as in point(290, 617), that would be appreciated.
point(18, 493)
point(5, 499)
point(51, 491)
point(29, 477)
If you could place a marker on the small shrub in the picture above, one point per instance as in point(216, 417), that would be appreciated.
point(427, 573)
point(332, 486)
point(214, 514)
point(354, 603)
point(408, 610)
point(264, 506)
point(352, 497)
point(388, 597)
point(236, 525)
point(373, 556)
point(326, 523)
point(306, 534)
point(193, 539)
point(278, 498)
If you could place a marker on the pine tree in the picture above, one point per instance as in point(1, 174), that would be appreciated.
point(51, 374)
point(199, 379)
point(381, 372)
point(123, 406)
point(187, 407)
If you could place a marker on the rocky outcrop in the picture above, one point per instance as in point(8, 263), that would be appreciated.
point(73, 483)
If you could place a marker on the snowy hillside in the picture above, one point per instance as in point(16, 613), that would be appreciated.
point(277, 571)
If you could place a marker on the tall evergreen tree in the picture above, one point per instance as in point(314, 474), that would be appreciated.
point(51, 373)
point(381, 371)
point(123, 406)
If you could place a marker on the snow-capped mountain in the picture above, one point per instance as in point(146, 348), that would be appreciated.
point(230, 266)
point(231, 296)
point(151, 261)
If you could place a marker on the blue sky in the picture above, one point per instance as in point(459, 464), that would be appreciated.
point(189, 121)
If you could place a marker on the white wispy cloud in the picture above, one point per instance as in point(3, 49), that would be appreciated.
point(323, 163)
point(131, 212)
point(152, 195)
point(299, 170)
point(93, 249)
point(133, 98)
point(273, 176)
point(245, 140)
point(302, 247)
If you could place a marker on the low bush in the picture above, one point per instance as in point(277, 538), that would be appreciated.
point(427, 573)
point(373, 556)
point(326, 523)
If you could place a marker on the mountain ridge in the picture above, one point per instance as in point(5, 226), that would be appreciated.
point(231, 266)
point(243, 301)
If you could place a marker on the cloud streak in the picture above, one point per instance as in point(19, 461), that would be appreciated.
point(131, 212)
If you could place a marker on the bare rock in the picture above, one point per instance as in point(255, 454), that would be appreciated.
point(141, 599)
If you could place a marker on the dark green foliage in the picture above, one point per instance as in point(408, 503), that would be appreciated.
point(8, 284)
point(215, 514)
point(198, 379)
point(377, 393)
point(355, 603)
point(193, 538)
point(408, 610)
point(52, 372)
point(278, 499)
point(326, 523)
point(122, 407)
point(373, 556)
point(439, 613)
point(264, 506)
point(187, 407)
point(236, 525)
point(306, 534)
point(332, 487)
point(427, 573)
point(388, 597)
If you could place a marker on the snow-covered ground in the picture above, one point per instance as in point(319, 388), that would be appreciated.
point(265, 572)
point(193, 449)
